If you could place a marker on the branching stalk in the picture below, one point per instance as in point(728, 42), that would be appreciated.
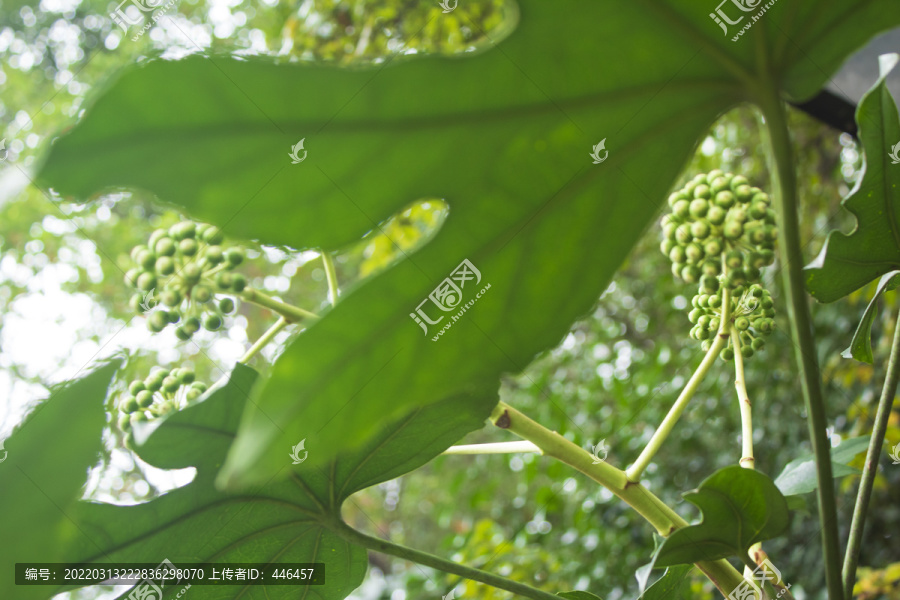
point(655, 511)
point(263, 340)
point(857, 526)
point(288, 311)
point(747, 460)
point(331, 276)
point(782, 171)
point(436, 562)
point(665, 428)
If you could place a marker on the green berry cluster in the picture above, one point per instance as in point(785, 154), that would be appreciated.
point(161, 392)
point(183, 268)
point(719, 225)
point(752, 316)
point(720, 233)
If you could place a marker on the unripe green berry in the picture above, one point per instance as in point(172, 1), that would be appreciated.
point(234, 256)
point(682, 209)
point(157, 235)
point(226, 305)
point(174, 316)
point(202, 294)
point(702, 301)
point(171, 298)
point(712, 175)
point(135, 303)
point(756, 235)
point(669, 231)
point(743, 193)
point(714, 324)
point(703, 321)
point(124, 422)
point(694, 315)
point(130, 404)
point(675, 197)
point(187, 376)
point(711, 267)
point(766, 303)
point(131, 277)
point(742, 324)
point(145, 398)
point(768, 257)
point(694, 253)
point(170, 384)
point(712, 247)
point(702, 191)
point(690, 273)
point(727, 354)
point(718, 184)
point(704, 334)
point(752, 273)
point(199, 385)
point(165, 247)
point(758, 343)
point(705, 345)
point(213, 235)
point(676, 269)
point(682, 235)
point(770, 233)
point(725, 199)
point(737, 181)
point(153, 383)
point(238, 282)
point(185, 230)
point(191, 273)
point(224, 280)
point(715, 301)
point(138, 417)
point(666, 246)
point(747, 351)
point(732, 230)
point(137, 250)
point(758, 210)
point(146, 259)
point(214, 255)
point(188, 247)
point(716, 215)
point(700, 230)
point(192, 324)
point(212, 322)
point(165, 265)
point(709, 284)
point(146, 281)
point(182, 333)
point(193, 394)
point(136, 386)
point(157, 321)
point(698, 208)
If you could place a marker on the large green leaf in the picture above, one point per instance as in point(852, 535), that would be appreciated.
point(740, 507)
point(285, 521)
point(44, 472)
point(799, 476)
point(848, 262)
point(503, 137)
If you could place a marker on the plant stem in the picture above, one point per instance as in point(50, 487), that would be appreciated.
point(288, 311)
point(782, 171)
point(498, 448)
point(882, 415)
point(331, 276)
point(430, 560)
point(747, 461)
point(264, 339)
point(665, 428)
point(655, 511)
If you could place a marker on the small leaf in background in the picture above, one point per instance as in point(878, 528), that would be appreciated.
point(45, 469)
point(290, 520)
point(848, 262)
point(740, 507)
point(861, 345)
point(799, 475)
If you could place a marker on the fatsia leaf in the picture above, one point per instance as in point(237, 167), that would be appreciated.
point(861, 344)
point(799, 475)
point(848, 262)
point(46, 464)
point(740, 507)
point(290, 520)
point(503, 136)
